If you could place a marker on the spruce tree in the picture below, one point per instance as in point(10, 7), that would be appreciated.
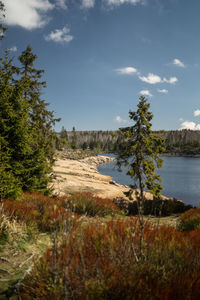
point(74, 139)
point(41, 119)
point(26, 134)
point(141, 151)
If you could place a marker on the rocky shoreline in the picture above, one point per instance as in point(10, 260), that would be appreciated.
point(81, 175)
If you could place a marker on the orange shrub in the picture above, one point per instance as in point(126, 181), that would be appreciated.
point(190, 220)
point(45, 212)
point(113, 260)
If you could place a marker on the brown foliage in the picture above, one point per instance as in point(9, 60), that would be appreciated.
point(190, 220)
point(45, 212)
point(103, 261)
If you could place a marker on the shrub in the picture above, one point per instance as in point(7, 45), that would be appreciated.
point(104, 261)
point(190, 220)
point(159, 207)
point(45, 212)
point(90, 205)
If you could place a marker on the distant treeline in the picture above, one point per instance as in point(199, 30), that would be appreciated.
point(176, 142)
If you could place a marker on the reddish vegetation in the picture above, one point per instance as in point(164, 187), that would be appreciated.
point(190, 220)
point(35, 209)
point(86, 203)
point(105, 261)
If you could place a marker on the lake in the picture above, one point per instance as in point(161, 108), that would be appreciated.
point(180, 177)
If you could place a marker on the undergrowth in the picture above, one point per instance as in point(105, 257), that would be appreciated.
point(190, 220)
point(93, 257)
point(103, 260)
point(91, 206)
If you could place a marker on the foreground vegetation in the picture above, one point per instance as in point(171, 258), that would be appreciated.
point(94, 251)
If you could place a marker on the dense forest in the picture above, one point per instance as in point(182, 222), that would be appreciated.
point(177, 142)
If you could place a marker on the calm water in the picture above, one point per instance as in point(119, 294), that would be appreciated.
point(180, 177)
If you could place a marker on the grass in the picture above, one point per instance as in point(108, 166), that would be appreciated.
point(17, 252)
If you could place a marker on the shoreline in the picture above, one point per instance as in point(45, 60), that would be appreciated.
point(81, 175)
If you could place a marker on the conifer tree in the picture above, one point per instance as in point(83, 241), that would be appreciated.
point(25, 130)
point(41, 119)
point(74, 139)
point(141, 152)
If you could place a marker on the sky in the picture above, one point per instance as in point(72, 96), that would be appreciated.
point(99, 56)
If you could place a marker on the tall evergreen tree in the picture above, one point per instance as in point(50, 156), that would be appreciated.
point(41, 119)
point(141, 150)
point(26, 133)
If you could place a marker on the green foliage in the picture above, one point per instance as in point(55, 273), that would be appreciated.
point(100, 261)
point(41, 119)
point(90, 205)
point(159, 207)
point(190, 220)
point(141, 151)
point(74, 139)
point(26, 135)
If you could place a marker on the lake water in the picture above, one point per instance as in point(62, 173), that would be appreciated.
point(180, 177)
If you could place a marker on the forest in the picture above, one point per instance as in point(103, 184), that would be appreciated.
point(176, 142)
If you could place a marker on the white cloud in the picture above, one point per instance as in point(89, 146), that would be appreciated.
point(61, 4)
point(119, 2)
point(87, 4)
point(190, 125)
point(181, 119)
point(29, 14)
point(163, 91)
point(151, 79)
point(118, 119)
point(178, 63)
point(13, 49)
point(146, 93)
point(197, 113)
point(171, 80)
point(126, 71)
point(60, 35)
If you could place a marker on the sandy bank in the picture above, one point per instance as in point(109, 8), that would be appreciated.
point(73, 176)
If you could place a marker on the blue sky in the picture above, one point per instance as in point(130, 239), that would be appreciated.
point(100, 55)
